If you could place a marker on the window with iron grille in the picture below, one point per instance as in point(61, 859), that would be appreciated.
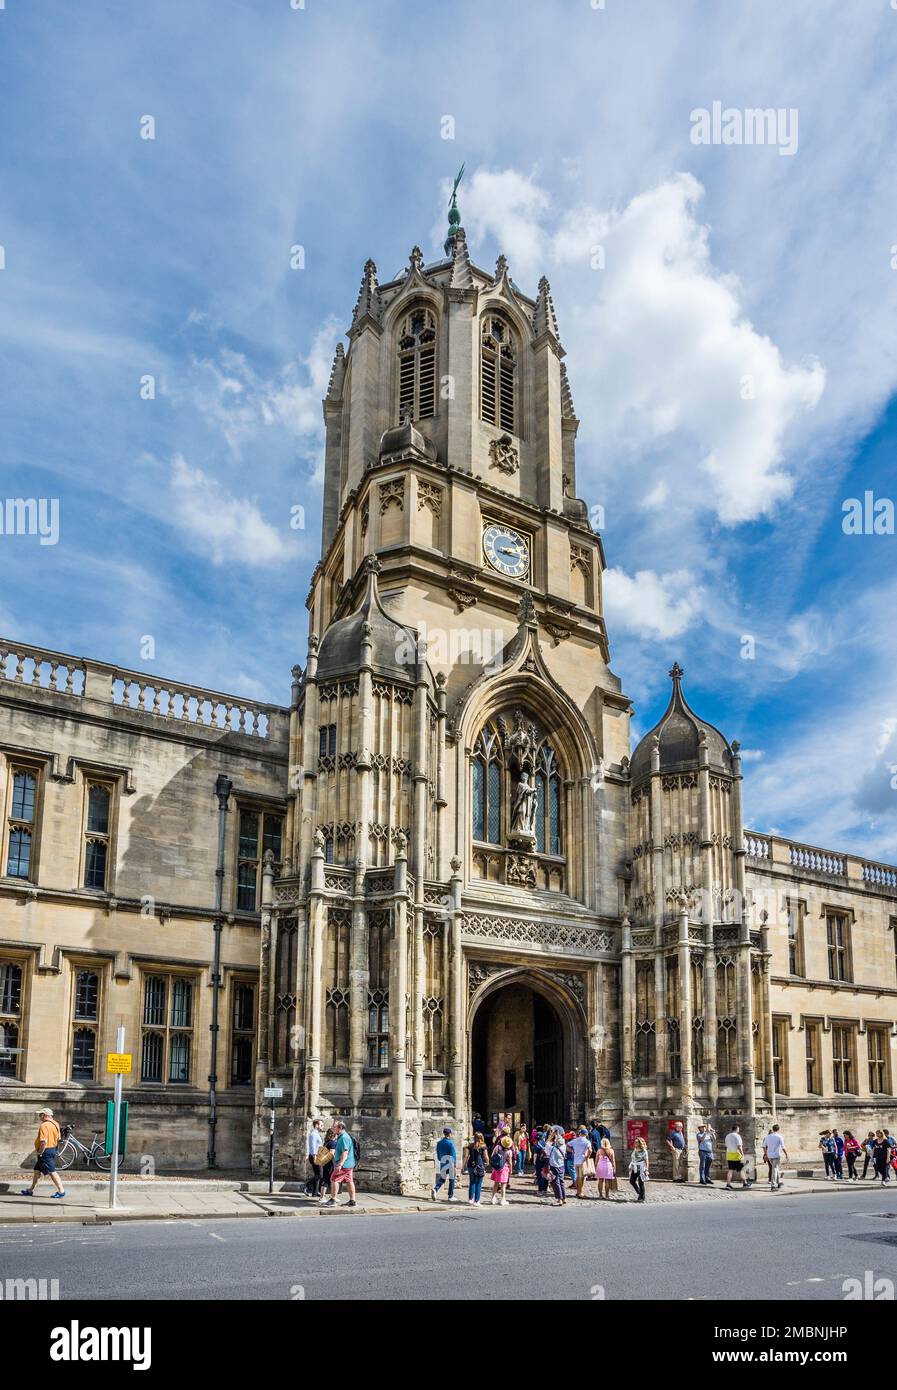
point(258, 831)
point(327, 741)
point(674, 1035)
point(879, 1048)
point(336, 987)
point(697, 1017)
point(780, 1055)
point(85, 1024)
point(811, 1045)
point(417, 365)
point(167, 1036)
point(20, 823)
point(379, 934)
point(433, 1002)
point(645, 1037)
point(96, 834)
point(837, 927)
point(285, 990)
point(727, 1019)
point(242, 1032)
point(758, 1014)
point(498, 374)
point(842, 1059)
point(10, 1015)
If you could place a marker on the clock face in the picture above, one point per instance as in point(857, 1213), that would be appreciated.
point(506, 550)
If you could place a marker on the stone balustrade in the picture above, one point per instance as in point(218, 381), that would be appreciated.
point(884, 875)
point(817, 861)
point(22, 664)
point(781, 855)
point(189, 704)
point(173, 701)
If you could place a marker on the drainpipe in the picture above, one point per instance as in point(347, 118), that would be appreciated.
point(223, 788)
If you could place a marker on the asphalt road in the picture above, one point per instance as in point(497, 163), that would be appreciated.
point(778, 1248)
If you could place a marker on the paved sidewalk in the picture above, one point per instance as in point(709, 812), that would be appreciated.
point(198, 1197)
point(154, 1200)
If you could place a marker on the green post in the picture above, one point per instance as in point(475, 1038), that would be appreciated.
point(122, 1128)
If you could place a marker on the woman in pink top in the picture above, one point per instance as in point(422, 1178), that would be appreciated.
point(605, 1169)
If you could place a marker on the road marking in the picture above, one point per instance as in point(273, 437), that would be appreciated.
point(216, 1236)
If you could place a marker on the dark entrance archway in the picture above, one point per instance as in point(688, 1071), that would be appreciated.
point(517, 1062)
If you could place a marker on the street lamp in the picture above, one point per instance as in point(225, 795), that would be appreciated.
point(223, 788)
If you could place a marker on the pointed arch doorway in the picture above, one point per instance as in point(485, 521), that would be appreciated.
point(519, 1055)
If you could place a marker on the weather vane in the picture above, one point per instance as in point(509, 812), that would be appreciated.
point(454, 199)
point(454, 216)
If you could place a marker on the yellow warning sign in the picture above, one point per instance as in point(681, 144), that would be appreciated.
point(118, 1062)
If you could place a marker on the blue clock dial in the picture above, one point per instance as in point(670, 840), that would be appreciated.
point(506, 551)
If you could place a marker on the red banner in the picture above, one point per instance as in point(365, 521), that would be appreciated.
point(636, 1129)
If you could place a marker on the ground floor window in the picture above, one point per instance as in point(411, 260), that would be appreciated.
point(10, 1014)
point(85, 1024)
point(167, 1037)
point(242, 1032)
point(811, 1036)
point(842, 1059)
point(879, 1077)
point(780, 1055)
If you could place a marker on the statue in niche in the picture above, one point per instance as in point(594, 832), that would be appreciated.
point(523, 811)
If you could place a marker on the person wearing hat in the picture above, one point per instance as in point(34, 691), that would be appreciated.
point(45, 1146)
point(447, 1160)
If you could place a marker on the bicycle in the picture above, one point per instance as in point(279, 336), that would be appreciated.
point(72, 1146)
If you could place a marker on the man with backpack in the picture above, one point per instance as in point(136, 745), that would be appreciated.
point(346, 1154)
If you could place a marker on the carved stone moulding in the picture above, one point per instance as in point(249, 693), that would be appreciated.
point(540, 934)
point(503, 455)
point(479, 971)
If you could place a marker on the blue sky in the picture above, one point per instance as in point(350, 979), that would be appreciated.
point(323, 127)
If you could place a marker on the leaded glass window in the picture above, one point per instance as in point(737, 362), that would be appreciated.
point(20, 824)
point(486, 787)
point(258, 831)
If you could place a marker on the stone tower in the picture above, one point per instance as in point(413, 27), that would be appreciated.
point(449, 932)
point(695, 975)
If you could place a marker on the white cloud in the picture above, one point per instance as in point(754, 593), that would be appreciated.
point(651, 604)
point(657, 496)
point(661, 342)
point(673, 356)
point(234, 398)
point(226, 528)
point(508, 206)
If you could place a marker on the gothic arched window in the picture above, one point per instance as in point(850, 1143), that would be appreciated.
point(548, 802)
point(498, 374)
point(486, 786)
point(417, 364)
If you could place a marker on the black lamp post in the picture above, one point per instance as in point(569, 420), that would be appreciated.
point(223, 788)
